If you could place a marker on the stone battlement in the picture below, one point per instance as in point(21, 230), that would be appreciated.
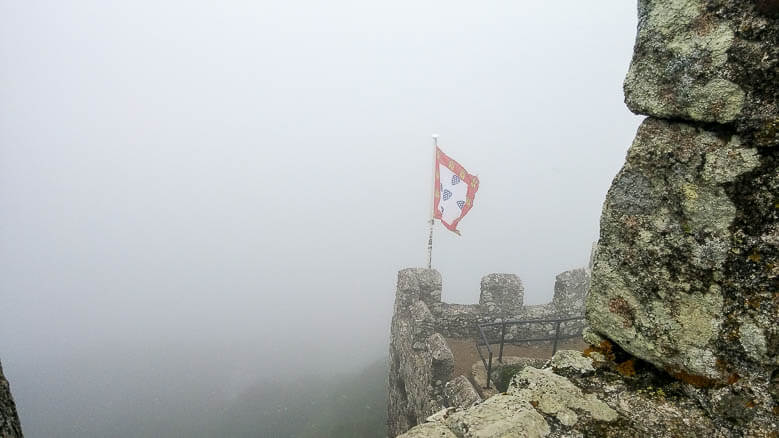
point(421, 377)
point(501, 298)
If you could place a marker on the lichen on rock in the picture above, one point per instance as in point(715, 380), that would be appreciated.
point(555, 395)
point(460, 393)
point(686, 270)
point(707, 61)
point(500, 416)
point(429, 430)
point(570, 361)
point(658, 288)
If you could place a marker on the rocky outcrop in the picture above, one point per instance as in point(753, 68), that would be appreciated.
point(430, 430)
point(557, 396)
point(9, 419)
point(575, 396)
point(503, 415)
point(686, 271)
point(676, 267)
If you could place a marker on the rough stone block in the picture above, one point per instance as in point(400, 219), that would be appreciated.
point(502, 294)
point(570, 289)
point(555, 395)
point(423, 321)
point(418, 284)
point(500, 416)
point(571, 362)
point(458, 320)
point(429, 430)
point(460, 393)
point(685, 273)
point(442, 364)
point(708, 61)
point(538, 311)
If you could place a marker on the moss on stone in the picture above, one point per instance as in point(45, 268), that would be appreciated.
point(504, 376)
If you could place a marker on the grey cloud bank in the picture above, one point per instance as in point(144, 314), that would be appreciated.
point(237, 185)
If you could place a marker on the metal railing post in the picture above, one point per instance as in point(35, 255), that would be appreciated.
point(487, 342)
point(489, 371)
point(556, 335)
point(502, 339)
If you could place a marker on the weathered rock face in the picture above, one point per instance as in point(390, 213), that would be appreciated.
point(460, 393)
point(708, 61)
point(557, 396)
point(9, 419)
point(685, 275)
point(688, 239)
point(686, 271)
point(501, 416)
point(575, 396)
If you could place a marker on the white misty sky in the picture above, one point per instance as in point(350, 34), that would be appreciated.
point(194, 172)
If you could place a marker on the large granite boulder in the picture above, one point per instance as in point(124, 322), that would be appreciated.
point(709, 61)
point(9, 419)
point(686, 271)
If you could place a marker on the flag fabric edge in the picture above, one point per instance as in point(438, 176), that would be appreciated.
point(459, 170)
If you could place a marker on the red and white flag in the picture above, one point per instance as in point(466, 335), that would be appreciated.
point(454, 192)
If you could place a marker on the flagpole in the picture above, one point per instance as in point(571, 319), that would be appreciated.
point(432, 200)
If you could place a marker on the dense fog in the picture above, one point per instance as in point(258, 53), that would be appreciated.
point(200, 199)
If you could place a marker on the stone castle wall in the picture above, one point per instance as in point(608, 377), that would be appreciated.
point(421, 377)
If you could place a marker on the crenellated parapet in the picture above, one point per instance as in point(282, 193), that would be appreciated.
point(422, 379)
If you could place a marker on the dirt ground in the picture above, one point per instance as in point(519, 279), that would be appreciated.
point(465, 354)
